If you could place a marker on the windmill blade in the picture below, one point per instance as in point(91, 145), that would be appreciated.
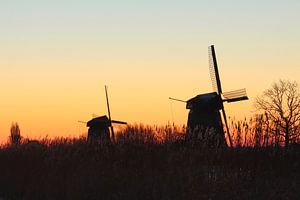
point(177, 100)
point(236, 95)
point(227, 128)
point(118, 122)
point(111, 127)
point(213, 69)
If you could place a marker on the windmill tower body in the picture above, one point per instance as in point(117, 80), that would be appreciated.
point(204, 111)
point(98, 130)
point(204, 118)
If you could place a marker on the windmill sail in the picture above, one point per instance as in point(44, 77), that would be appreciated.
point(118, 122)
point(226, 125)
point(216, 83)
point(213, 69)
point(236, 95)
point(108, 109)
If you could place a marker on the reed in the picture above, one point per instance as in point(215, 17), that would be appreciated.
point(149, 162)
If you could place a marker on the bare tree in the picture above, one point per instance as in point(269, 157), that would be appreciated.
point(281, 103)
point(15, 134)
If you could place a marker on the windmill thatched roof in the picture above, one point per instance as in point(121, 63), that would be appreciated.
point(101, 121)
point(206, 101)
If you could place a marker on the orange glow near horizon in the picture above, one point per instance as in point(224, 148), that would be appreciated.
point(49, 102)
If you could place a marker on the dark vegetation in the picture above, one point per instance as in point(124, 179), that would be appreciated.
point(143, 164)
point(280, 105)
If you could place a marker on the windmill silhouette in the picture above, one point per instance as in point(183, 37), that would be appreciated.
point(205, 108)
point(99, 126)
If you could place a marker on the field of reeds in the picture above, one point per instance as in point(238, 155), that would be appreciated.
point(148, 162)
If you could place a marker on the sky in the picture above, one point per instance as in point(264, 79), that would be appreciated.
point(56, 56)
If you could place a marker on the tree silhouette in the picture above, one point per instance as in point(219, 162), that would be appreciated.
point(281, 105)
point(15, 134)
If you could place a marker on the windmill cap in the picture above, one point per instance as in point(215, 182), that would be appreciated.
point(98, 122)
point(208, 101)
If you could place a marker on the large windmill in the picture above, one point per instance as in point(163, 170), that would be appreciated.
point(205, 108)
point(99, 126)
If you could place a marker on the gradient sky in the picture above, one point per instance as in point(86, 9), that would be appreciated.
point(56, 56)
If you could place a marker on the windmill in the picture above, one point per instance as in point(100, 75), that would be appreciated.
point(205, 108)
point(99, 126)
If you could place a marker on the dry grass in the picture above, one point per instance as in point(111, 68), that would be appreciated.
point(146, 165)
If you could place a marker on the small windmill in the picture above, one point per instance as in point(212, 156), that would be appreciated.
point(99, 126)
point(205, 108)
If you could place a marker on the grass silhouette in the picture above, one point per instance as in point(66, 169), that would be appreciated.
point(146, 162)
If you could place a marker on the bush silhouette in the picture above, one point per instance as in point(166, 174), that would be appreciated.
point(15, 134)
